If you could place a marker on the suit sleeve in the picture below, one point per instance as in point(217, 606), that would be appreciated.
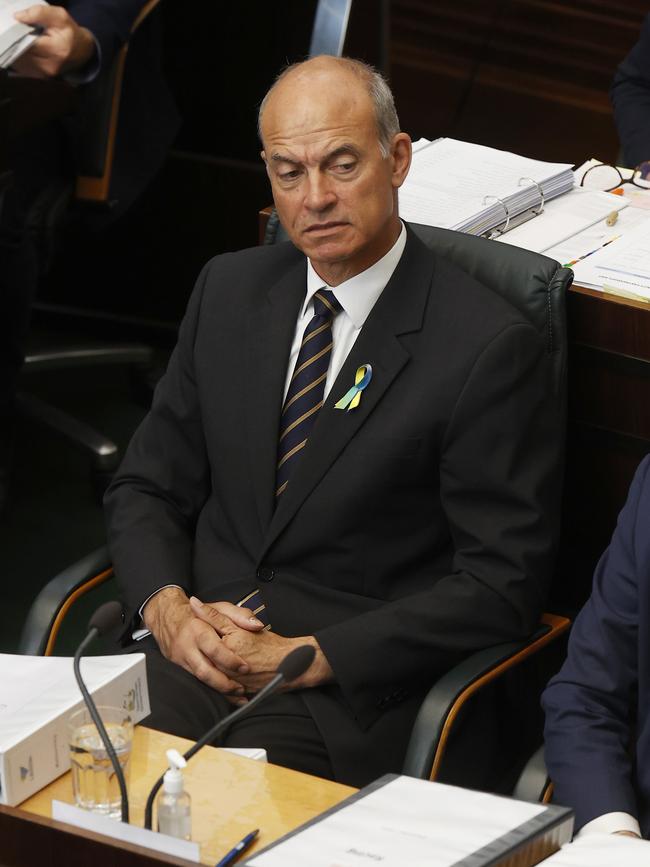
point(630, 95)
point(154, 501)
point(109, 21)
point(589, 704)
point(500, 470)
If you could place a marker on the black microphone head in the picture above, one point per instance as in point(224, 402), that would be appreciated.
point(296, 662)
point(106, 617)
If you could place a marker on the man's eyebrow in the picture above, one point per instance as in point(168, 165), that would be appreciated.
point(283, 158)
point(342, 150)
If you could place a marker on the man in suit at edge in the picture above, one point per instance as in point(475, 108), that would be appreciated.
point(630, 96)
point(598, 706)
point(412, 530)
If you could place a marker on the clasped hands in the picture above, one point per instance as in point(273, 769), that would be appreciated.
point(224, 645)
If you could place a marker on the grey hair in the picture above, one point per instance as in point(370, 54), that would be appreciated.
point(378, 91)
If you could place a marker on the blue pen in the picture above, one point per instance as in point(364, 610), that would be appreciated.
point(238, 849)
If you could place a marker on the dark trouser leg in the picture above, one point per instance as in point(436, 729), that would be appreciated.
point(182, 705)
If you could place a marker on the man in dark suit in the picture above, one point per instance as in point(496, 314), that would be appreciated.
point(395, 535)
point(598, 706)
point(630, 95)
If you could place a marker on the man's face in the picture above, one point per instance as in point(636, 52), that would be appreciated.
point(334, 191)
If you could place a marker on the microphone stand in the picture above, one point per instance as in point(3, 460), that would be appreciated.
point(216, 730)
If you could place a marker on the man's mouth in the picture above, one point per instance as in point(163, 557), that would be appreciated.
point(324, 227)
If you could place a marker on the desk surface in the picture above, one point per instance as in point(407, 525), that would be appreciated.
point(230, 795)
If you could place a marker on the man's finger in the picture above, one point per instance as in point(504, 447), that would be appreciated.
point(39, 15)
point(201, 667)
point(239, 615)
point(220, 654)
point(211, 614)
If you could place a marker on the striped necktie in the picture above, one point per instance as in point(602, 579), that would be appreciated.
point(307, 386)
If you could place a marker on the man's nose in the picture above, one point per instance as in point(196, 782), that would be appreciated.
point(320, 193)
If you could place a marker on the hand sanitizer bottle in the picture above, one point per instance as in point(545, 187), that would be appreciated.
point(174, 805)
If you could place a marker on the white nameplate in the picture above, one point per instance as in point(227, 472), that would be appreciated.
point(126, 833)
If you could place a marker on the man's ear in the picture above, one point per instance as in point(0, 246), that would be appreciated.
point(266, 165)
point(401, 153)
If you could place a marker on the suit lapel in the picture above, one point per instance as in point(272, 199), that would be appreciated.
point(399, 310)
point(268, 342)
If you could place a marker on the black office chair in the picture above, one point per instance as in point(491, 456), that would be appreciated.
point(90, 190)
point(537, 286)
point(534, 783)
point(499, 686)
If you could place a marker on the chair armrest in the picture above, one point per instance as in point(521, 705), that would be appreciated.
point(50, 606)
point(445, 699)
point(534, 783)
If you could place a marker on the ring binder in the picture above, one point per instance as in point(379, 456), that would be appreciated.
point(541, 195)
point(512, 222)
point(498, 230)
point(449, 187)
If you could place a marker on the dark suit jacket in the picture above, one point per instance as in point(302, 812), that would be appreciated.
point(415, 529)
point(630, 95)
point(598, 706)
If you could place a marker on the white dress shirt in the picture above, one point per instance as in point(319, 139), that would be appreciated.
point(357, 296)
point(610, 823)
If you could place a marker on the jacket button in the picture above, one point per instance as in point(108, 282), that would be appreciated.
point(265, 574)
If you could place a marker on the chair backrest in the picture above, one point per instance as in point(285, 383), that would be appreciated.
point(96, 147)
point(534, 284)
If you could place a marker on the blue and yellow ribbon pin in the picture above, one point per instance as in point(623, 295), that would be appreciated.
point(352, 398)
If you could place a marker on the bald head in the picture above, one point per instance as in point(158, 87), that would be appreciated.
point(334, 184)
point(350, 80)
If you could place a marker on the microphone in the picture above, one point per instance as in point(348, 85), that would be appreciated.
point(103, 620)
point(291, 667)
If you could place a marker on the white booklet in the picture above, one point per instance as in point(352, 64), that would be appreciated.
point(401, 820)
point(15, 37)
point(38, 694)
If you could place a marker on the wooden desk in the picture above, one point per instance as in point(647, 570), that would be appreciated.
point(230, 795)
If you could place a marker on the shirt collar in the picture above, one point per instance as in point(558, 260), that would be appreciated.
point(357, 296)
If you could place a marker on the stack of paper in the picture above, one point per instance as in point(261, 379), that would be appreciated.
point(15, 38)
point(622, 267)
point(472, 188)
point(401, 820)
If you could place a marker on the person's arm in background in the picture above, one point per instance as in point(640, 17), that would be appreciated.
point(589, 703)
point(77, 41)
point(630, 95)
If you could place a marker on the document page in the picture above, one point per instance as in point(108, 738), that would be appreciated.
point(15, 38)
point(591, 239)
point(564, 218)
point(406, 821)
point(623, 266)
